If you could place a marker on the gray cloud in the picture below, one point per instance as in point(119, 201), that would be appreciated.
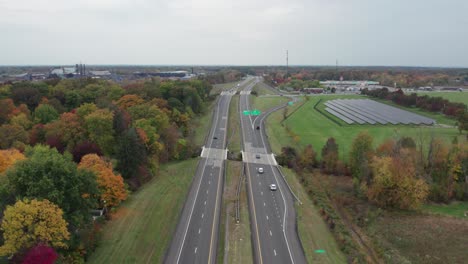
point(356, 32)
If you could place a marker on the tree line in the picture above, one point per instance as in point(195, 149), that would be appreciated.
point(399, 173)
point(70, 146)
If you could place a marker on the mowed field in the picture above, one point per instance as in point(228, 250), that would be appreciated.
point(142, 227)
point(459, 97)
point(309, 126)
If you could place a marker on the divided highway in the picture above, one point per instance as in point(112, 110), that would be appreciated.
point(196, 237)
point(272, 214)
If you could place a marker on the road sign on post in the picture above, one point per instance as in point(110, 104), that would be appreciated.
point(290, 103)
point(246, 112)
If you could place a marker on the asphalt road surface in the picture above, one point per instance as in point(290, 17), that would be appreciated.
point(272, 214)
point(196, 237)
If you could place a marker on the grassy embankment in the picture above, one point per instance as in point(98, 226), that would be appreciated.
point(142, 227)
point(459, 97)
point(309, 126)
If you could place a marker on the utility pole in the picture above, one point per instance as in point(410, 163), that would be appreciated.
point(287, 63)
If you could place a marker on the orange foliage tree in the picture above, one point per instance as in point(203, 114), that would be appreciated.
point(8, 157)
point(112, 186)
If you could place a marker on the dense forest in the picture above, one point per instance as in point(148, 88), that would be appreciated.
point(71, 146)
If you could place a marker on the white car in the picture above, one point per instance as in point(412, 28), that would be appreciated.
point(260, 170)
point(273, 187)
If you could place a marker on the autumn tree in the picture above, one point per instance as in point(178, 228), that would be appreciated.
point(8, 157)
point(360, 157)
point(330, 156)
point(129, 100)
point(308, 158)
point(29, 222)
point(40, 254)
point(395, 185)
point(111, 186)
point(46, 174)
point(83, 148)
point(11, 135)
point(386, 149)
point(6, 110)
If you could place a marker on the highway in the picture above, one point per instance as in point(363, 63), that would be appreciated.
point(196, 237)
point(272, 214)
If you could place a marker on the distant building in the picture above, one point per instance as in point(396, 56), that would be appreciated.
point(313, 90)
point(100, 74)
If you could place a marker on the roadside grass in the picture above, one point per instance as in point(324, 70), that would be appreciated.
point(201, 124)
point(457, 97)
point(142, 227)
point(265, 103)
point(308, 126)
point(456, 209)
point(234, 136)
point(417, 238)
point(262, 89)
point(313, 231)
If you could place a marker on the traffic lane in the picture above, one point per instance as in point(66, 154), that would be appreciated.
point(185, 218)
point(269, 213)
point(198, 243)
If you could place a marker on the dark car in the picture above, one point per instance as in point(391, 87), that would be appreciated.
point(258, 127)
point(215, 137)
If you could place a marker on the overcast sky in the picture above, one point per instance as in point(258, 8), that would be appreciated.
point(239, 32)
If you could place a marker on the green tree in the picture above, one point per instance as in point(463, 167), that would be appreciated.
point(46, 174)
point(99, 125)
point(130, 153)
point(45, 113)
point(360, 156)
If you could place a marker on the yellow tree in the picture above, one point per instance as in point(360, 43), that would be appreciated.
point(395, 184)
point(28, 223)
point(8, 157)
point(111, 186)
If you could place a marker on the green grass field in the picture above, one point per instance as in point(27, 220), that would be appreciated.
point(313, 231)
point(308, 126)
point(459, 97)
point(263, 103)
point(262, 89)
point(456, 209)
point(142, 227)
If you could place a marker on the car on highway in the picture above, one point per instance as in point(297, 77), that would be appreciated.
point(215, 137)
point(273, 187)
point(260, 170)
point(258, 127)
point(257, 156)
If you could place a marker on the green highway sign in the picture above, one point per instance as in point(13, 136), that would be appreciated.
point(320, 251)
point(290, 103)
point(255, 112)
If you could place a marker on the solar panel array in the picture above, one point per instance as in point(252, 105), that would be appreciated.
point(365, 111)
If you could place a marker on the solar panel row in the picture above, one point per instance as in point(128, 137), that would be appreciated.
point(363, 111)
